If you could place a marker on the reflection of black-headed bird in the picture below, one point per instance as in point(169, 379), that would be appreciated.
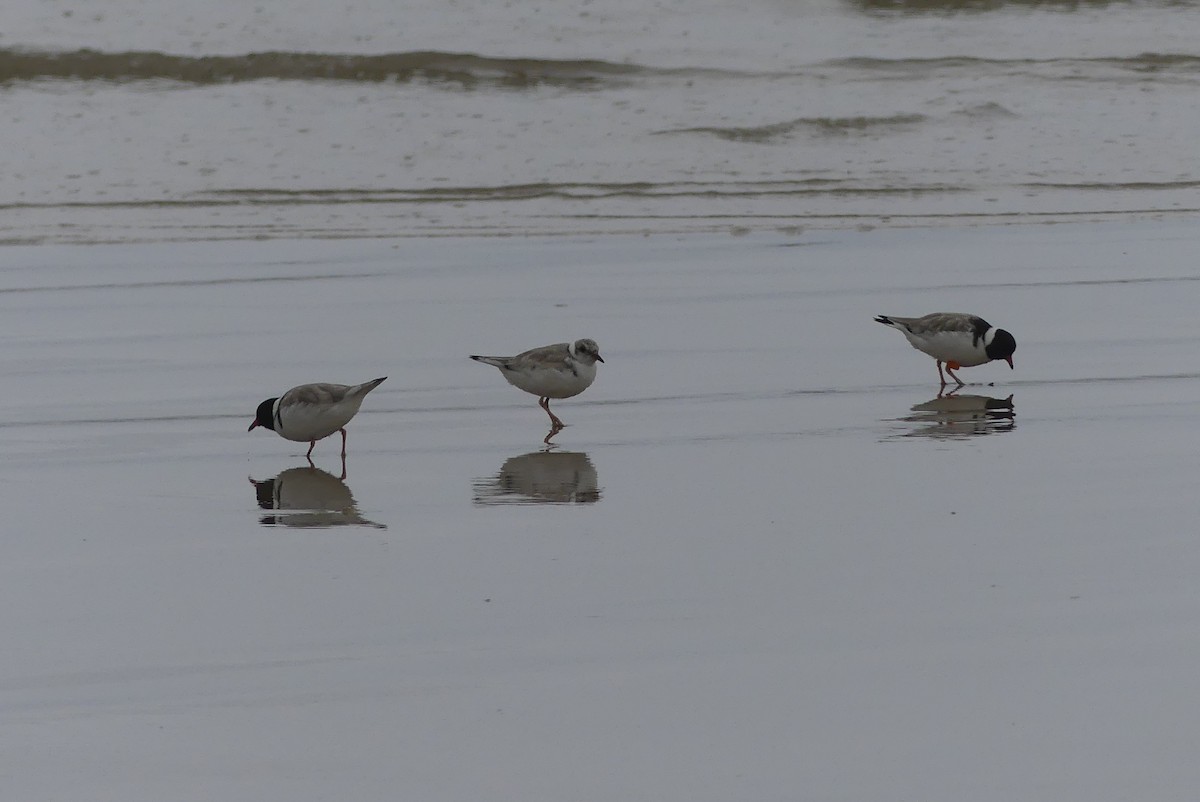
point(308, 497)
point(562, 370)
point(966, 403)
point(542, 477)
point(313, 411)
point(961, 341)
point(954, 416)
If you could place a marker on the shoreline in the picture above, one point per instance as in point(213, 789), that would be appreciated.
point(150, 232)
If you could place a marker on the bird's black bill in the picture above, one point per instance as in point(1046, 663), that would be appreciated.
point(252, 425)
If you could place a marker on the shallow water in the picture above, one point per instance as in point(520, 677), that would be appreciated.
point(145, 121)
point(764, 556)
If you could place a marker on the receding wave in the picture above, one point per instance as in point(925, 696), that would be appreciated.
point(332, 196)
point(1081, 68)
point(827, 126)
point(461, 68)
point(958, 6)
point(1118, 186)
point(577, 191)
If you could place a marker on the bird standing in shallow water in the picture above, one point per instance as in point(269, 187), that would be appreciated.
point(313, 411)
point(561, 370)
point(959, 340)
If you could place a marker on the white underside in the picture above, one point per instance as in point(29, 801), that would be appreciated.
point(553, 383)
point(952, 346)
point(307, 422)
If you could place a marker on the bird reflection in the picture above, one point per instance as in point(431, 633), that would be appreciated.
point(541, 477)
point(308, 497)
point(956, 416)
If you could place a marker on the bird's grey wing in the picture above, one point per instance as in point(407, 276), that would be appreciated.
point(945, 322)
point(553, 357)
point(320, 393)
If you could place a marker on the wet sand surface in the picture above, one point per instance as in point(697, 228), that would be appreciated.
point(763, 561)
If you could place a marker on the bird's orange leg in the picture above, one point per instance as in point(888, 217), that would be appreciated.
point(950, 368)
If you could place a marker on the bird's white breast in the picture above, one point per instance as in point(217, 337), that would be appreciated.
point(553, 382)
point(305, 422)
point(951, 346)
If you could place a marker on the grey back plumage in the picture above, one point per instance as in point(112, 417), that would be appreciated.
point(939, 322)
point(548, 357)
point(325, 393)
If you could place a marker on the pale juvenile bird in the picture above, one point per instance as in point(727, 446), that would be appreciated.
point(561, 370)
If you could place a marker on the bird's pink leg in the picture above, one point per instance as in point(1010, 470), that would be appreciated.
point(311, 445)
point(544, 403)
point(940, 374)
point(343, 431)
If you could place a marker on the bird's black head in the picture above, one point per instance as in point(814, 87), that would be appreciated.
point(1001, 347)
point(265, 416)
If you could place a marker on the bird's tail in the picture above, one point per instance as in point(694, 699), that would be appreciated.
point(367, 387)
point(494, 361)
point(885, 320)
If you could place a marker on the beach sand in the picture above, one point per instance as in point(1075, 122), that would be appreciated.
point(763, 561)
